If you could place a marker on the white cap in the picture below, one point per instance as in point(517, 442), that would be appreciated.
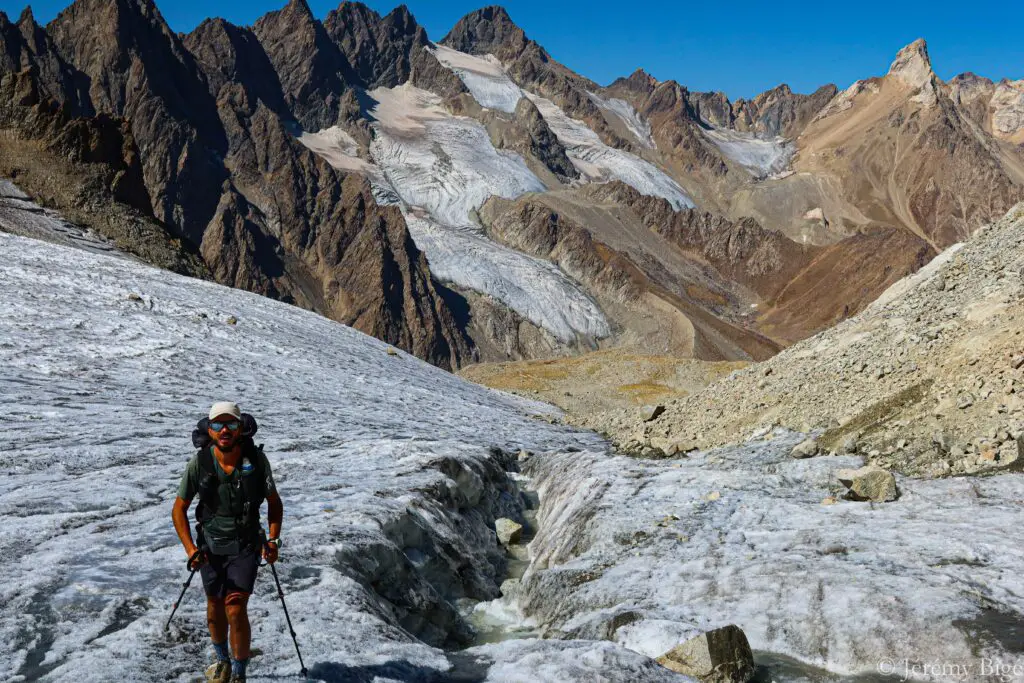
point(225, 408)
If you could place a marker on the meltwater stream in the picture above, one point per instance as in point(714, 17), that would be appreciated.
point(647, 554)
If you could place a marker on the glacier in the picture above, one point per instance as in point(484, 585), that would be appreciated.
point(442, 168)
point(387, 467)
point(442, 163)
point(534, 288)
point(630, 117)
point(392, 472)
point(597, 162)
point(740, 535)
point(484, 77)
point(763, 157)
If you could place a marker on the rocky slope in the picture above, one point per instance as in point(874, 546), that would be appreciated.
point(926, 380)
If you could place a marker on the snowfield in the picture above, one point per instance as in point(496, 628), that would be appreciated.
point(624, 111)
point(442, 168)
point(599, 163)
point(762, 157)
point(384, 463)
point(484, 77)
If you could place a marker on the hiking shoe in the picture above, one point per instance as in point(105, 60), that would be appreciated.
point(237, 678)
point(220, 672)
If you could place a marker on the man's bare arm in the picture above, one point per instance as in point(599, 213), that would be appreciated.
point(180, 516)
point(275, 513)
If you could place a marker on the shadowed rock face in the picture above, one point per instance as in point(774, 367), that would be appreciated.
point(313, 72)
point(138, 69)
point(490, 31)
point(197, 133)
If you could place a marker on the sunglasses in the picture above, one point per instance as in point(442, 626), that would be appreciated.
point(219, 426)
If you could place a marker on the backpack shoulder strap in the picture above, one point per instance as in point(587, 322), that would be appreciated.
point(208, 482)
point(252, 484)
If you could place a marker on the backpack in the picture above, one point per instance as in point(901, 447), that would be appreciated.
point(253, 494)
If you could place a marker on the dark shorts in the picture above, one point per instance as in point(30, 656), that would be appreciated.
point(225, 574)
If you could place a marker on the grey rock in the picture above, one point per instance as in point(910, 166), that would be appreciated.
point(869, 483)
point(651, 413)
point(719, 656)
point(805, 449)
point(509, 531)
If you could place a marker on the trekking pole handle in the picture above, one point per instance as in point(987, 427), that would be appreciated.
point(190, 563)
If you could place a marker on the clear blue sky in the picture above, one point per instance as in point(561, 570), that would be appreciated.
point(741, 47)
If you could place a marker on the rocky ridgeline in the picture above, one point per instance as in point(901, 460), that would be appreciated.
point(928, 380)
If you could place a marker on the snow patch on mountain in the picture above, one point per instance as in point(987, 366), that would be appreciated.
point(484, 76)
point(762, 157)
point(534, 288)
point(439, 162)
point(338, 148)
point(383, 463)
point(630, 117)
point(597, 162)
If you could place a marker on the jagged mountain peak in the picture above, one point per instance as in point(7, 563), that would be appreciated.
point(912, 65)
point(27, 17)
point(299, 6)
point(638, 80)
point(489, 30)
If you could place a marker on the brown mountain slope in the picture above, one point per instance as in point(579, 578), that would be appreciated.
point(199, 142)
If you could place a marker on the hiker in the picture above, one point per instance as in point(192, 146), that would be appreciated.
point(232, 478)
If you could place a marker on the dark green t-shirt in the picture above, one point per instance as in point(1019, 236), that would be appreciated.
point(229, 492)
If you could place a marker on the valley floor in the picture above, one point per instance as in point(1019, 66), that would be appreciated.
point(393, 473)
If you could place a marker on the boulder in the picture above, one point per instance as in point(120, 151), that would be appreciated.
point(805, 449)
point(719, 656)
point(509, 531)
point(651, 413)
point(869, 483)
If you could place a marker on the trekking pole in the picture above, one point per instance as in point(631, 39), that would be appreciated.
point(193, 568)
point(280, 594)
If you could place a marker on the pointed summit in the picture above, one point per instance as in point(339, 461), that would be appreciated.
point(298, 6)
point(912, 65)
point(27, 18)
point(488, 31)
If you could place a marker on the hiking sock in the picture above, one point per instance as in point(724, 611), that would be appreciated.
point(221, 650)
point(238, 667)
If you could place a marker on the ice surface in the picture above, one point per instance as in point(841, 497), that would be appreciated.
point(933, 577)
point(378, 458)
point(534, 288)
point(338, 148)
point(763, 157)
point(484, 76)
point(19, 215)
point(637, 125)
point(442, 163)
point(442, 168)
point(598, 162)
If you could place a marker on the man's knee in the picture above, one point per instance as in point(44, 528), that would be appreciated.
point(236, 602)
